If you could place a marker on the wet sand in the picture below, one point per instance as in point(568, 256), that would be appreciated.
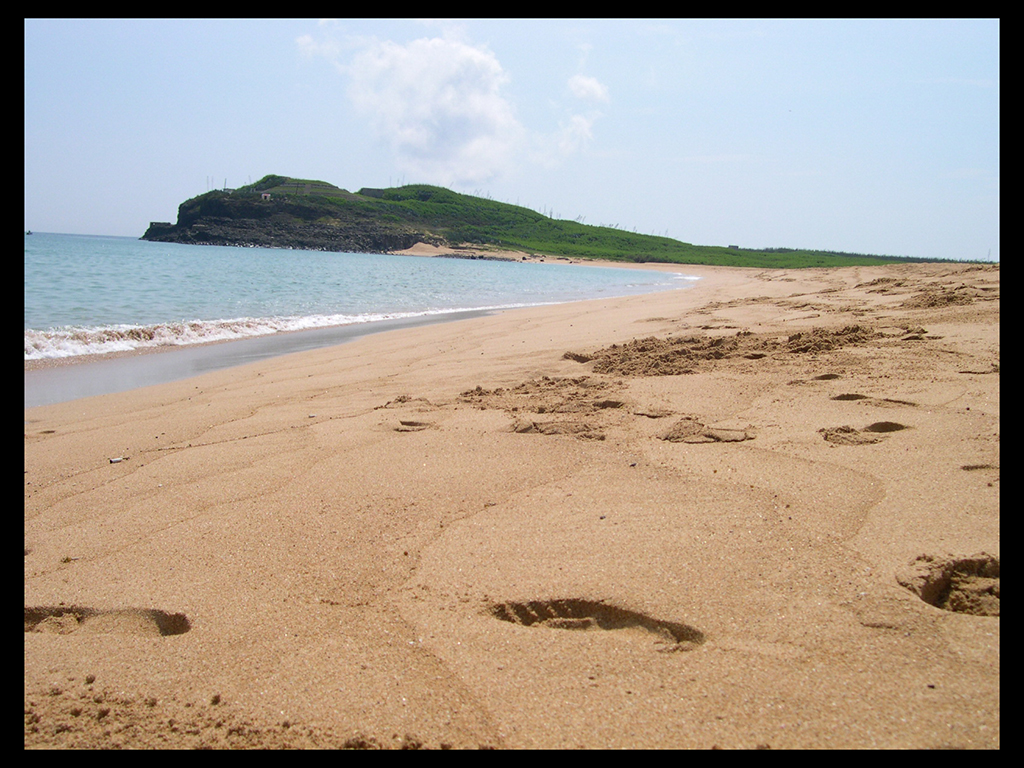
point(759, 512)
point(62, 379)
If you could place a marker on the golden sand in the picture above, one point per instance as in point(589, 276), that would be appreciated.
point(762, 511)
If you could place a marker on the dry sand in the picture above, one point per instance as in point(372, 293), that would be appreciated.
point(476, 252)
point(759, 512)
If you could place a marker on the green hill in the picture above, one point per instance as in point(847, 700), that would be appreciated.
point(284, 212)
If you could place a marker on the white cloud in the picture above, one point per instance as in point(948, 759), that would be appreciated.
point(438, 103)
point(311, 47)
point(589, 88)
point(576, 135)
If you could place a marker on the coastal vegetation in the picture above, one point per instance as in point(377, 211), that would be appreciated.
point(285, 212)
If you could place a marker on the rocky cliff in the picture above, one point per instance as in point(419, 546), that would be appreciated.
point(246, 218)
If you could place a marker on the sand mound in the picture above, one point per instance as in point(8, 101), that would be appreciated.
point(654, 356)
point(689, 430)
point(941, 297)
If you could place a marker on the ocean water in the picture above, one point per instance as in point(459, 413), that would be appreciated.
point(96, 295)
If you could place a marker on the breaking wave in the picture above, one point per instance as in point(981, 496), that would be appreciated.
point(87, 295)
point(69, 341)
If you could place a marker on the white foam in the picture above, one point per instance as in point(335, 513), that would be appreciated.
point(68, 341)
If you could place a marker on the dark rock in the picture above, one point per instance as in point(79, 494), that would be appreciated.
point(284, 221)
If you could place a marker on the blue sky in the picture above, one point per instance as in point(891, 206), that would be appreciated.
point(871, 136)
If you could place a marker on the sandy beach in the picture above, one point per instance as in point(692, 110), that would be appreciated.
point(760, 512)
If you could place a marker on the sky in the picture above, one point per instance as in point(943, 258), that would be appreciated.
point(863, 136)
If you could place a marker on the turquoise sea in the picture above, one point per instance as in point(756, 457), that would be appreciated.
point(96, 295)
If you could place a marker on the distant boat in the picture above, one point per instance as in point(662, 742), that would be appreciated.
point(28, 231)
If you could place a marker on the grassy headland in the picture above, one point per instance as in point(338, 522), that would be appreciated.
point(280, 211)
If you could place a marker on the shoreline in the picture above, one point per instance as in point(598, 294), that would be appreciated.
point(72, 360)
point(691, 519)
point(52, 380)
point(419, 250)
point(73, 378)
point(434, 251)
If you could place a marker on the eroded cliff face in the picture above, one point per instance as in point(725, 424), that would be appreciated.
point(286, 222)
point(264, 233)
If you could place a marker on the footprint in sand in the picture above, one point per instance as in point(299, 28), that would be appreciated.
point(822, 377)
point(880, 401)
point(63, 620)
point(847, 435)
point(959, 584)
point(582, 615)
point(885, 426)
point(412, 426)
point(578, 429)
